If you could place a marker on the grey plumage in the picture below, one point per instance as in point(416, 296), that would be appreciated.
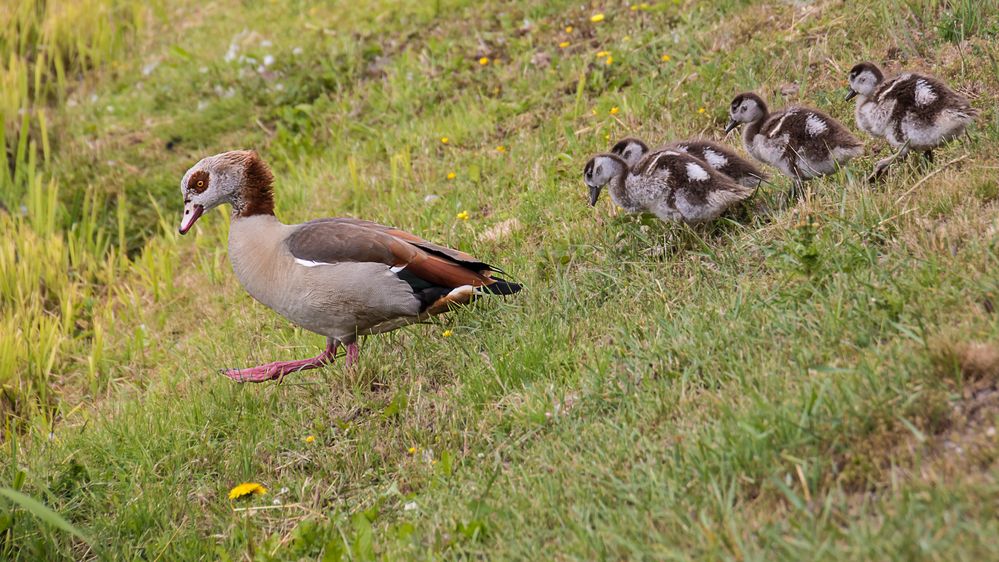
point(911, 111)
point(802, 142)
point(670, 184)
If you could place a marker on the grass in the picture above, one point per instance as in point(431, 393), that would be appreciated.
point(819, 383)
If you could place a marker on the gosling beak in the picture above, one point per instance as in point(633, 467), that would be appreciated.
point(191, 214)
point(732, 123)
point(594, 195)
point(850, 94)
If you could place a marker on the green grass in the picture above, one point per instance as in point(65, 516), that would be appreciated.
point(815, 384)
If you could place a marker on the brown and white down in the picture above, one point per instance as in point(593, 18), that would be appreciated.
point(714, 154)
point(672, 185)
point(339, 277)
point(803, 143)
point(911, 111)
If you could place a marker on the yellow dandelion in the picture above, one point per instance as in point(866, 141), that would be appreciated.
point(563, 44)
point(593, 111)
point(462, 216)
point(607, 137)
point(602, 54)
point(484, 61)
point(626, 38)
point(445, 140)
point(597, 18)
point(310, 438)
point(665, 58)
point(247, 489)
point(634, 7)
point(568, 29)
point(608, 60)
point(615, 110)
point(701, 110)
point(447, 333)
point(451, 175)
point(412, 450)
point(501, 148)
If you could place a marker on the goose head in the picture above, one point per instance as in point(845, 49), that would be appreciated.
point(238, 177)
point(631, 150)
point(600, 171)
point(864, 78)
point(745, 108)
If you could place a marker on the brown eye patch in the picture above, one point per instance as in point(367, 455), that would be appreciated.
point(198, 182)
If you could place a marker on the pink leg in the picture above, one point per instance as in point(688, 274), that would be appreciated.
point(279, 369)
point(352, 354)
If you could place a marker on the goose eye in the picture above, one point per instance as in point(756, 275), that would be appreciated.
point(201, 183)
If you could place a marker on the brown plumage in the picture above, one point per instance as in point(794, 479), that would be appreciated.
point(801, 142)
point(911, 111)
point(714, 154)
point(672, 185)
point(352, 240)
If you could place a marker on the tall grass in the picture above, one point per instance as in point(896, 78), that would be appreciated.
point(52, 265)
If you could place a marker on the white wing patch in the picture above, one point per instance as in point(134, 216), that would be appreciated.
point(775, 130)
point(398, 268)
point(464, 290)
point(815, 126)
point(696, 173)
point(682, 148)
point(715, 159)
point(310, 263)
point(924, 93)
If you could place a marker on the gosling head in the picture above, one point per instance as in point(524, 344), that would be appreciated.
point(745, 108)
point(238, 177)
point(601, 170)
point(631, 150)
point(864, 78)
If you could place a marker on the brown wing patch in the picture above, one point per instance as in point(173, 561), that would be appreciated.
point(443, 272)
point(336, 241)
point(458, 255)
point(198, 182)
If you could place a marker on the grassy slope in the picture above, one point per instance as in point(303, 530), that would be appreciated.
point(786, 384)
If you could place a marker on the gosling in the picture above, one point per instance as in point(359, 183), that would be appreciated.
point(911, 111)
point(669, 184)
point(803, 143)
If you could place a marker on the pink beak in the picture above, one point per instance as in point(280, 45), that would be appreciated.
point(191, 214)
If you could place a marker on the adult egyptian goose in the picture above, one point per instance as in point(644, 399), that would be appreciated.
point(803, 143)
point(339, 277)
point(911, 111)
point(672, 185)
point(714, 154)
